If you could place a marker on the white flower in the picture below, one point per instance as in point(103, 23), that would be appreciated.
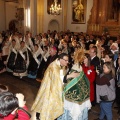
point(89, 71)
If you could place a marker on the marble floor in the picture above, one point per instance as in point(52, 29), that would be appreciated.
point(29, 88)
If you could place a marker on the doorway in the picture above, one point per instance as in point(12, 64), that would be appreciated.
point(53, 25)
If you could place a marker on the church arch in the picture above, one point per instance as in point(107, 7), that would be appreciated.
point(53, 25)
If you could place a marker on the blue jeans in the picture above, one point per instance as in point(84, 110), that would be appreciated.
point(106, 109)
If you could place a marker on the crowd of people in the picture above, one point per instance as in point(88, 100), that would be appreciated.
point(76, 71)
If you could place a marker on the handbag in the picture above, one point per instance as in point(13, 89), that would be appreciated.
point(104, 98)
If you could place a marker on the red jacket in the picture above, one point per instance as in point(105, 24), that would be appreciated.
point(91, 74)
point(21, 115)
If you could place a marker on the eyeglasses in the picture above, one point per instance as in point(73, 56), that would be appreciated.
point(65, 60)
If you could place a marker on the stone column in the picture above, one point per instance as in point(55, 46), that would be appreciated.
point(33, 13)
point(40, 15)
point(94, 12)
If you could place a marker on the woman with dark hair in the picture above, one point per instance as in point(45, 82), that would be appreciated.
point(109, 57)
point(12, 56)
point(89, 71)
point(11, 104)
point(105, 91)
point(22, 61)
point(35, 62)
point(8, 103)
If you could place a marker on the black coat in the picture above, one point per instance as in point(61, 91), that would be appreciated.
point(95, 61)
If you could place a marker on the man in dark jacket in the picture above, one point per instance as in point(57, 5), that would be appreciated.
point(96, 62)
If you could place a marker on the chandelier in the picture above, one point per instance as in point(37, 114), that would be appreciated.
point(55, 9)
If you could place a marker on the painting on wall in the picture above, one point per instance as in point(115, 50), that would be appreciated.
point(79, 11)
point(20, 14)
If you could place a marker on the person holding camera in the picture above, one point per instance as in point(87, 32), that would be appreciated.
point(105, 90)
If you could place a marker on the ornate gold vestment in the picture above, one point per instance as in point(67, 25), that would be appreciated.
point(49, 101)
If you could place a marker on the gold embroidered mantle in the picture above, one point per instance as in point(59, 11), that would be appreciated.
point(77, 89)
point(49, 98)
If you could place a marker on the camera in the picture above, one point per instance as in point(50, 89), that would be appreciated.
point(100, 69)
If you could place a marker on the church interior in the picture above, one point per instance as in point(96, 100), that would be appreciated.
point(34, 16)
point(79, 17)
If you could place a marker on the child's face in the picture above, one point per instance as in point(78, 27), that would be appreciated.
point(105, 69)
